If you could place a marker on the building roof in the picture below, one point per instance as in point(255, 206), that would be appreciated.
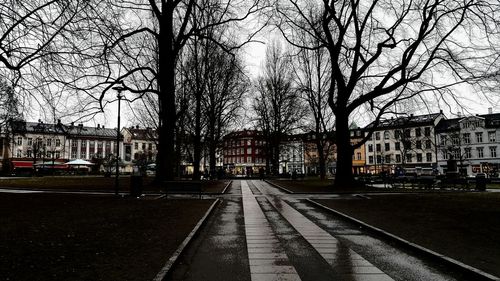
point(243, 134)
point(449, 125)
point(406, 121)
point(146, 134)
point(73, 131)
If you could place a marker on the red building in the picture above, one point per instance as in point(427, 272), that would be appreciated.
point(244, 152)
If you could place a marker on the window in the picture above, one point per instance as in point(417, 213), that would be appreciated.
point(92, 149)
point(428, 144)
point(428, 157)
point(480, 152)
point(58, 154)
point(427, 131)
point(378, 147)
point(377, 135)
point(58, 142)
point(387, 146)
point(466, 138)
point(387, 159)
point(467, 153)
point(409, 158)
point(479, 137)
point(83, 149)
point(49, 142)
point(143, 146)
point(358, 155)
point(249, 142)
point(397, 134)
point(386, 135)
point(19, 153)
point(443, 139)
point(445, 154)
point(370, 159)
point(418, 144)
point(370, 148)
point(492, 136)
point(249, 150)
point(19, 141)
point(455, 140)
point(74, 144)
point(150, 146)
point(136, 145)
point(493, 151)
point(407, 144)
point(398, 146)
point(30, 141)
point(398, 158)
point(419, 157)
point(407, 133)
point(73, 154)
point(456, 154)
point(379, 159)
point(418, 132)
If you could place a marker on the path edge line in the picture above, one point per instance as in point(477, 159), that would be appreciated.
point(450, 261)
point(227, 186)
point(279, 187)
point(162, 274)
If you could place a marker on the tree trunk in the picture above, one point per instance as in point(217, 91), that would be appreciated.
point(197, 138)
point(344, 177)
point(167, 112)
point(322, 158)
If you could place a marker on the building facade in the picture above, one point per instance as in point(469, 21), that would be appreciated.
point(139, 144)
point(35, 143)
point(292, 155)
point(243, 153)
point(405, 144)
point(472, 143)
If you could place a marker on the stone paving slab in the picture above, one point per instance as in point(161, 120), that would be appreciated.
point(275, 265)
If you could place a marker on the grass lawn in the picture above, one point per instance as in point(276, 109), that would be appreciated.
point(73, 237)
point(465, 226)
point(91, 183)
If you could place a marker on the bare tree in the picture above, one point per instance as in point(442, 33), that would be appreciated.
point(312, 75)
point(384, 51)
point(277, 106)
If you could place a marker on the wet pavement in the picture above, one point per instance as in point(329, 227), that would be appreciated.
point(259, 232)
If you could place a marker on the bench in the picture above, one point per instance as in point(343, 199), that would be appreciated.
point(183, 187)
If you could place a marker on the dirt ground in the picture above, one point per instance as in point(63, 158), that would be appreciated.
point(465, 226)
point(73, 237)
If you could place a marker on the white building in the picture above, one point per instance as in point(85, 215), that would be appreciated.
point(403, 144)
point(292, 155)
point(32, 143)
point(138, 144)
point(471, 142)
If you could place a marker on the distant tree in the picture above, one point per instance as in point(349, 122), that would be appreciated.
point(277, 105)
point(312, 70)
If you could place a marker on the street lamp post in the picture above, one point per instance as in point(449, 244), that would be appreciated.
point(119, 96)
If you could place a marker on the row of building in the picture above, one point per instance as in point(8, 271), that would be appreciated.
point(418, 144)
point(421, 144)
point(28, 144)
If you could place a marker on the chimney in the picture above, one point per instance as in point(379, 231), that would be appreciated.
point(72, 124)
point(490, 110)
point(98, 126)
point(459, 114)
point(137, 126)
point(103, 126)
point(58, 121)
point(440, 111)
point(80, 125)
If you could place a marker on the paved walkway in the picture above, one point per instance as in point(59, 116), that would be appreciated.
point(260, 233)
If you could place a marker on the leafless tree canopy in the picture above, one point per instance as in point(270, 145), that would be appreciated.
point(384, 51)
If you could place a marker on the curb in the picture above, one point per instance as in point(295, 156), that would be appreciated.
point(279, 187)
point(474, 272)
point(175, 256)
point(227, 186)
